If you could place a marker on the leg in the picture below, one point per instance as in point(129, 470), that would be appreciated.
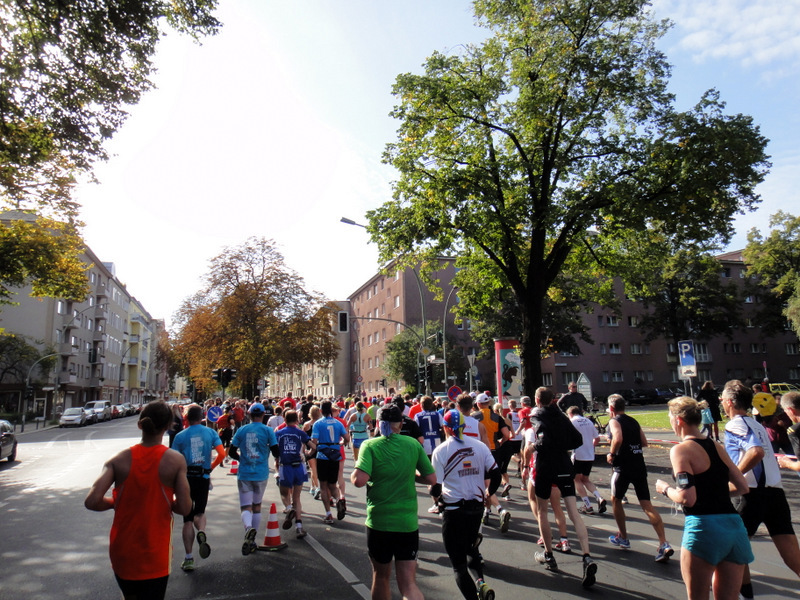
point(381, 577)
point(297, 492)
point(727, 579)
point(789, 550)
point(558, 513)
point(655, 520)
point(619, 516)
point(697, 575)
point(188, 536)
point(406, 572)
point(577, 522)
point(544, 524)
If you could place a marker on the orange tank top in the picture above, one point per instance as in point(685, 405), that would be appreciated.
point(141, 534)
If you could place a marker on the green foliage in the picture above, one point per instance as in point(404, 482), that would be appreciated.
point(16, 358)
point(253, 315)
point(44, 254)
point(775, 261)
point(68, 70)
point(558, 124)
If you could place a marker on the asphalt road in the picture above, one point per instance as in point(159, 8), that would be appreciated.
point(52, 547)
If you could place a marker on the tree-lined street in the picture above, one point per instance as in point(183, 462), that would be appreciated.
point(54, 548)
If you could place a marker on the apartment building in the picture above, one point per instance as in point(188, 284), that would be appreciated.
point(104, 347)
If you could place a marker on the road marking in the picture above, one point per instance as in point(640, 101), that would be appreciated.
point(361, 589)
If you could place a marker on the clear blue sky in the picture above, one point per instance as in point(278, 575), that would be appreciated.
point(275, 128)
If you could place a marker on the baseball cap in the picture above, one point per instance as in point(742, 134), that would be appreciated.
point(257, 408)
point(391, 414)
point(482, 398)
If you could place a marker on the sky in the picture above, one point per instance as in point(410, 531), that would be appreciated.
point(276, 126)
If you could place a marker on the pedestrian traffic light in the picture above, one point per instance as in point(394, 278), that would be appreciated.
point(216, 375)
point(344, 321)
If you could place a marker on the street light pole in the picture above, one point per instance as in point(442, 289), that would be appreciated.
point(444, 337)
point(28, 384)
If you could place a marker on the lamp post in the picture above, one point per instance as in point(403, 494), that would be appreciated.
point(28, 384)
point(121, 365)
point(444, 337)
point(421, 308)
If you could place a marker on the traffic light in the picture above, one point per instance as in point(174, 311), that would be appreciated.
point(440, 338)
point(228, 375)
point(344, 321)
point(383, 383)
point(216, 375)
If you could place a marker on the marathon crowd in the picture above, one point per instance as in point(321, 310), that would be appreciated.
point(462, 451)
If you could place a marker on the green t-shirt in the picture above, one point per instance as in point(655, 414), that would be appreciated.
point(391, 464)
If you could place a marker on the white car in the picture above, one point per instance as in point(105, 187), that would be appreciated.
point(73, 417)
point(101, 409)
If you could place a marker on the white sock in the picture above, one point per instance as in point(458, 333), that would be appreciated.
point(256, 520)
point(597, 495)
point(587, 502)
point(188, 556)
point(247, 519)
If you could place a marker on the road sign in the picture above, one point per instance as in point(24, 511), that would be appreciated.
point(359, 379)
point(425, 351)
point(214, 413)
point(473, 370)
point(686, 356)
point(585, 387)
point(453, 392)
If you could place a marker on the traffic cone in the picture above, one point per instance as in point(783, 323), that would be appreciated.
point(272, 541)
point(234, 467)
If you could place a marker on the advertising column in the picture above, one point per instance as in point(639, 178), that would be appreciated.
point(508, 367)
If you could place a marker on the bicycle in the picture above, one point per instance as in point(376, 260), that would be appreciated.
point(595, 417)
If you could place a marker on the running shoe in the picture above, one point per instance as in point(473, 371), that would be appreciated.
point(486, 515)
point(589, 572)
point(547, 559)
point(188, 564)
point(328, 520)
point(664, 552)
point(434, 510)
point(484, 591)
point(313, 491)
point(621, 542)
point(585, 510)
point(505, 517)
point(249, 541)
point(563, 546)
point(287, 520)
point(624, 500)
point(301, 533)
point(506, 491)
point(317, 494)
point(601, 506)
point(333, 501)
point(205, 549)
point(341, 509)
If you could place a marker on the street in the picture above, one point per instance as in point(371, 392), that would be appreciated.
point(52, 547)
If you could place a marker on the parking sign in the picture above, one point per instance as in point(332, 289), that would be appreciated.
point(686, 356)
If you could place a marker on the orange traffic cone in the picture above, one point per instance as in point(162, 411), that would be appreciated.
point(272, 541)
point(234, 467)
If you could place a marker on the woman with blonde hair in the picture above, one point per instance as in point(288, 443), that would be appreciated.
point(715, 548)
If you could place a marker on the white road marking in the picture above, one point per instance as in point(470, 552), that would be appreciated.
point(350, 577)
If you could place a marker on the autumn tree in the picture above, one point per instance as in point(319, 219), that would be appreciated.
point(253, 315)
point(511, 151)
point(775, 261)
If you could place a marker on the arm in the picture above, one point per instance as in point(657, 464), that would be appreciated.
point(681, 463)
point(182, 504)
point(483, 435)
point(737, 483)
point(359, 478)
point(616, 441)
point(233, 452)
point(753, 456)
point(219, 458)
point(784, 462)
point(96, 499)
point(429, 479)
point(644, 439)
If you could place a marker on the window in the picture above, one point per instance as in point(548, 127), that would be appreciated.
point(792, 350)
point(605, 377)
point(748, 299)
point(612, 321)
point(375, 289)
point(383, 333)
point(383, 309)
point(460, 326)
point(614, 348)
point(636, 349)
point(397, 301)
point(377, 362)
point(547, 379)
point(701, 353)
point(754, 348)
point(369, 340)
point(602, 348)
point(732, 348)
point(704, 375)
point(617, 377)
point(726, 272)
point(569, 376)
point(601, 320)
point(382, 283)
point(633, 321)
point(355, 346)
point(749, 322)
point(369, 363)
point(639, 376)
point(649, 376)
point(794, 373)
point(398, 328)
point(369, 294)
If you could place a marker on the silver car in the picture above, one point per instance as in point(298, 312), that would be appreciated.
point(73, 417)
point(101, 409)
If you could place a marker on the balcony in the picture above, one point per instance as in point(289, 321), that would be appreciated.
point(99, 336)
point(132, 361)
point(133, 339)
point(101, 291)
point(66, 349)
point(96, 382)
point(100, 312)
point(64, 378)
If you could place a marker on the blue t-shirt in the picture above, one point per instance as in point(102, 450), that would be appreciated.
point(254, 441)
point(328, 431)
point(196, 444)
point(290, 444)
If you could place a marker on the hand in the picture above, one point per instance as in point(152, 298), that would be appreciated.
point(661, 485)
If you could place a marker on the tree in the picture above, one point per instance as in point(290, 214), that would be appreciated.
point(775, 261)
point(557, 124)
point(253, 315)
point(43, 253)
point(68, 72)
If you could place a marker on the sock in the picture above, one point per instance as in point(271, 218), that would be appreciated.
point(247, 519)
point(188, 556)
point(747, 590)
point(597, 495)
point(298, 524)
point(587, 502)
point(256, 520)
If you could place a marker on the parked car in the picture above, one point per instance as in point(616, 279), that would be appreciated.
point(101, 409)
point(8, 441)
point(783, 388)
point(666, 393)
point(127, 409)
point(90, 416)
point(645, 396)
point(73, 417)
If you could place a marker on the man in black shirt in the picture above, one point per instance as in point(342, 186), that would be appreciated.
point(790, 402)
point(573, 398)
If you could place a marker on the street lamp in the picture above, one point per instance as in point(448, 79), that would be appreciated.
point(121, 365)
point(28, 385)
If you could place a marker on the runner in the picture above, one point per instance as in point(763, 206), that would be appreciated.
point(329, 432)
point(497, 435)
point(256, 441)
point(555, 436)
point(390, 463)
point(749, 447)
point(358, 424)
point(430, 422)
point(196, 443)
point(462, 465)
point(149, 485)
point(627, 459)
point(293, 474)
point(583, 460)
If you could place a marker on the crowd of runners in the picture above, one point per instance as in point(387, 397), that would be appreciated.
point(463, 451)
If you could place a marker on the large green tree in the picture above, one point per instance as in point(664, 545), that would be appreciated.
point(775, 261)
point(559, 123)
point(253, 315)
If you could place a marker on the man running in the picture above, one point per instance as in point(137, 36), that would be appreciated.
point(748, 445)
point(462, 465)
point(498, 434)
point(195, 443)
point(256, 442)
point(555, 436)
point(292, 470)
point(390, 463)
point(583, 460)
point(328, 433)
point(627, 459)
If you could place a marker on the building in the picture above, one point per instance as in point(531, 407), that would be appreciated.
point(105, 347)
